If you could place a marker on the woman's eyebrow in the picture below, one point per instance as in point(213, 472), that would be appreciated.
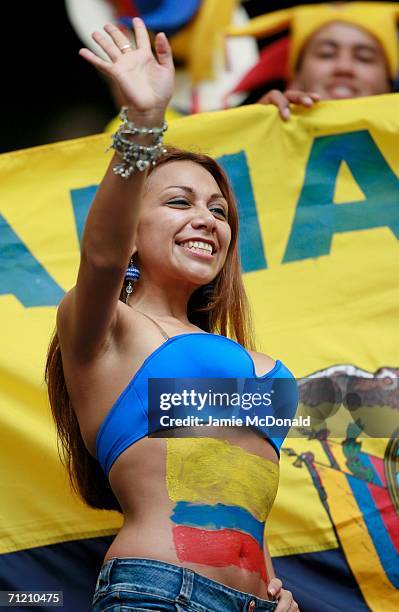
point(184, 187)
point(326, 41)
point(358, 46)
point(365, 47)
point(191, 191)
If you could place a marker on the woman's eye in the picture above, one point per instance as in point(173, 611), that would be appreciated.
point(216, 209)
point(325, 54)
point(366, 59)
point(174, 202)
point(219, 211)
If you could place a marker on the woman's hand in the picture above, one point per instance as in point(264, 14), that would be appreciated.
point(145, 82)
point(283, 100)
point(286, 602)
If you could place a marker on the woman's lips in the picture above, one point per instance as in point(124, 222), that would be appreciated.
point(203, 255)
point(341, 92)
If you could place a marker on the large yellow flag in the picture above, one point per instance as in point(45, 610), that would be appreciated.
point(319, 221)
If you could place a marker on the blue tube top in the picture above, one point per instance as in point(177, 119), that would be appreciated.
point(190, 355)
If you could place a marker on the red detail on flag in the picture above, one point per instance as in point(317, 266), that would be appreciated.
point(378, 465)
point(387, 512)
point(219, 549)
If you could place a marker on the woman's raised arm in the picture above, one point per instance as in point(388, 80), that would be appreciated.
point(87, 313)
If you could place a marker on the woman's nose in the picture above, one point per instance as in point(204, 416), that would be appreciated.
point(203, 218)
point(344, 64)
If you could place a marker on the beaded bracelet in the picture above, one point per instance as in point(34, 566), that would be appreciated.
point(135, 156)
point(143, 131)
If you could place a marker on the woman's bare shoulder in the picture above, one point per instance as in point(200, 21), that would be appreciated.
point(263, 363)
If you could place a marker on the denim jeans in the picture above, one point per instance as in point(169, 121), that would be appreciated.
point(126, 584)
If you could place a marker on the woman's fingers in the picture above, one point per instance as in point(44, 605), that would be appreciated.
point(107, 45)
point(274, 586)
point(144, 83)
point(302, 97)
point(286, 602)
point(277, 98)
point(93, 59)
point(114, 42)
point(141, 34)
point(163, 50)
point(283, 100)
point(119, 39)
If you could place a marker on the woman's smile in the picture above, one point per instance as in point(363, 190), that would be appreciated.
point(197, 252)
point(197, 247)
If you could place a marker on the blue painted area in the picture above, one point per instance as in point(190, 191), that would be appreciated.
point(385, 549)
point(250, 238)
point(218, 516)
point(365, 460)
point(22, 275)
point(317, 218)
point(81, 202)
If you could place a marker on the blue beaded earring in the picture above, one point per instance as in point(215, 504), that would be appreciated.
point(132, 275)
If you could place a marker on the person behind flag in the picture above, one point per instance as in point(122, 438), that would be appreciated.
point(195, 508)
point(335, 51)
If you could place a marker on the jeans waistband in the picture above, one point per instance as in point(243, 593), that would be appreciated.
point(183, 584)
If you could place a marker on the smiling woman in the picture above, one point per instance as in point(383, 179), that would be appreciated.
point(193, 216)
point(340, 61)
point(194, 508)
point(336, 50)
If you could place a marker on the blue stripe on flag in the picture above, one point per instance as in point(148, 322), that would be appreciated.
point(219, 516)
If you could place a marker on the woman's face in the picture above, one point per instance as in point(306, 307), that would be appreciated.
point(342, 61)
point(182, 205)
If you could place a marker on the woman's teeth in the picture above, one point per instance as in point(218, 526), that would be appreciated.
point(341, 91)
point(198, 246)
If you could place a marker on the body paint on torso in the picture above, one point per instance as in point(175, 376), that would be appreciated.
point(222, 496)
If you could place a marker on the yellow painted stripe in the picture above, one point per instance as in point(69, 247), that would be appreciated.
point(213, 471)
point(357, 544)
point(337, 451)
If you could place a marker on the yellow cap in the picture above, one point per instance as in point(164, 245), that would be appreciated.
point(377, 18)
point(196, 42)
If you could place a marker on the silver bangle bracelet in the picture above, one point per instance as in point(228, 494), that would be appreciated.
point(143, 131)
point(135, 156)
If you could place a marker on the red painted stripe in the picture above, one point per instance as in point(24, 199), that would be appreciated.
point(378, 465)
point(387, 512)
point(219, 548)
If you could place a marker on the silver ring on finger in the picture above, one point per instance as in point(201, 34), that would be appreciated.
point(126, 48)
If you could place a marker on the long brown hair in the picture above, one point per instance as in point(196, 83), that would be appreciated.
point(220, 307)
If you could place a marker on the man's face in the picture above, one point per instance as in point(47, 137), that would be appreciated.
point(342, 61)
